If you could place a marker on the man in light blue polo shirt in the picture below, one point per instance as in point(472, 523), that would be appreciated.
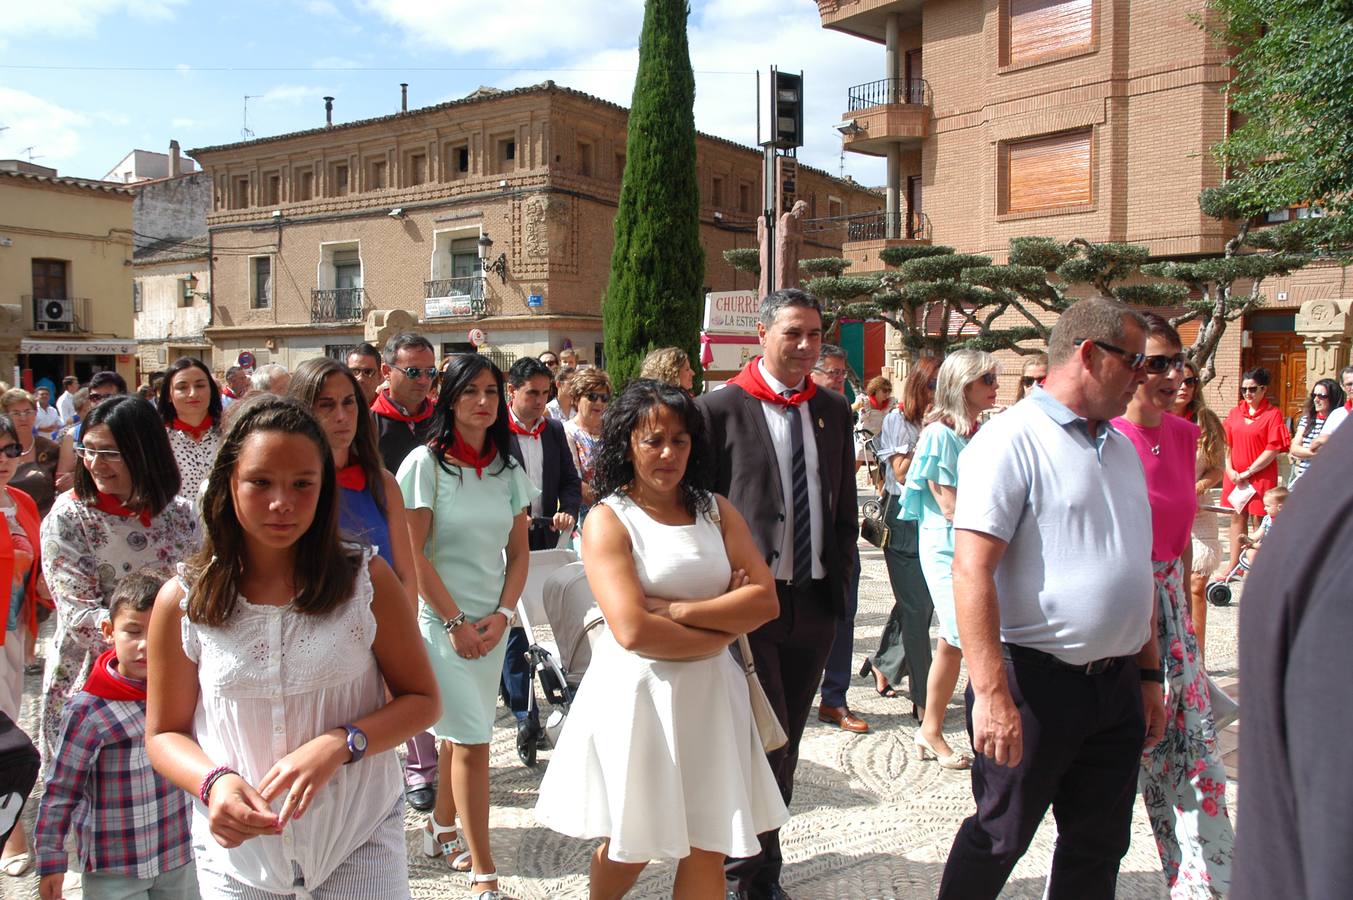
point(1054, 596)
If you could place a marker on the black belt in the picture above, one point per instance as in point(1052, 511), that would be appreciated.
point(1016, 653)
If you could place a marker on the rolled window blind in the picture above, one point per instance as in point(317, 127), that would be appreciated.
point(1048, 172)
point(1041, 27)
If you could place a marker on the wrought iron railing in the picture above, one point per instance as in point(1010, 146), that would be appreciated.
point(874, 226)
point(70, 315)
point(454, 297)
point(889, 90)
point(337, 305)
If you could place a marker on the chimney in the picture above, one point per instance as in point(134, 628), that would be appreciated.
point(403, 96)
point(175, 167)
point(328, 112)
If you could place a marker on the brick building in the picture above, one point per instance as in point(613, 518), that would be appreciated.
point(492, 212)
point(1065, 118)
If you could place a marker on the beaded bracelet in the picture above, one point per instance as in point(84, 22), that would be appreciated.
point(213, 776)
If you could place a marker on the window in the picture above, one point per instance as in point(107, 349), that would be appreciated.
point(338, 180)
point(272, 189)
point(49, 279)
point(456, 160)
point(505, 154)
point(1046, 172)
point(239, 192)
point(585, 159)
point(376, 179)
point(745, 198)
point(304, 184)
point(185, 293)
point(834, 207)
point(339, 352)
point(136, 296)
point(415, 169)
point(716, 192)
point(1039, 28)
point(619, 166)
point(260, 282)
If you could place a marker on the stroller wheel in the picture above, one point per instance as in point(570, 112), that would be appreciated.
point(1219, 593)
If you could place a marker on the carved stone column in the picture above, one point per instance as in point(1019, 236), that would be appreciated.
point(1327, 329)
point(383, 324)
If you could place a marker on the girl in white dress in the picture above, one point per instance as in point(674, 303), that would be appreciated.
point(269, 660)
point(660, 756)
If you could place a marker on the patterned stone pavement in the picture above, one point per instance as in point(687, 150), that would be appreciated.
point(869, 819)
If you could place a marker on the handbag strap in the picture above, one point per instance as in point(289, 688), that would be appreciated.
point(745, 651)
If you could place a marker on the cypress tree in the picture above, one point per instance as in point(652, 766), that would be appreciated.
point(653, 298)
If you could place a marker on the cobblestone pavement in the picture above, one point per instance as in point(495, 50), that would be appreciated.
point(869, 819)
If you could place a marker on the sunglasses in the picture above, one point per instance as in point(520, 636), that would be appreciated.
point(414, 372)
point(1133, 361)
point(1030, 381)
point(11, 451)
point(1252, 389)
point(598, 398)
point(367, 372)
point(989, 379)
point(1320, 396)
point(89, 454)
point(1158, 364)
point(833, 373)
point(1191, 381)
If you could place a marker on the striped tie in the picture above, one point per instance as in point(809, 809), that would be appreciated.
point(803, 528)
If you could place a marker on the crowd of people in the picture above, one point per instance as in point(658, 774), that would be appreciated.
point(265, 581)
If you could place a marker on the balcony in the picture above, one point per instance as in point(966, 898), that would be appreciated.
point(338, 305)
point(863, 235)
point(454, 298)
point(72, 315)
point(886, 112)
point(866, 18)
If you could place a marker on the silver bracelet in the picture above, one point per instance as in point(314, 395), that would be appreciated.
point(454, 622)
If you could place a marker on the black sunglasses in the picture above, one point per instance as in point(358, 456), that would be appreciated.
point(1320, 396)
point(12, 451)
point(598, 398)
point(1160, 364)
point(1030, 381)
point(414, 372)
point(1133, 361)
point(988, 378)
point(1190, 381)
point(367, 371)
point(1252, 389)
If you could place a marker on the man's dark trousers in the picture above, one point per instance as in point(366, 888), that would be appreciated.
point(1083, 737)
point(790, 652)
point(836, 677)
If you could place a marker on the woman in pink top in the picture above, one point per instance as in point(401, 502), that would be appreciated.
point(1183, 782)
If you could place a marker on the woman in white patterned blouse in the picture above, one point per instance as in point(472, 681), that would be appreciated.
point(190, 404)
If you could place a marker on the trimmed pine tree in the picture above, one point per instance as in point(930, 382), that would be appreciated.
point(654, 295)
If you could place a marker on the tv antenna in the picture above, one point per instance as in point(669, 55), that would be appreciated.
point(28, 151)
point(245, 131)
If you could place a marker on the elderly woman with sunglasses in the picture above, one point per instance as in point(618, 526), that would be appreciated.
point(1257, 435)
point(965, 388)
point(591, 391)
point(122, 516)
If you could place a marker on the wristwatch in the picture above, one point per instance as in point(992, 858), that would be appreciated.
point(454, 622)
point(509, 614)
point(356, 742)
point(1156, 675)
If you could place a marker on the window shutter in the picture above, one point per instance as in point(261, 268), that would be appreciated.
point(1048, 172)
point(1042, 27)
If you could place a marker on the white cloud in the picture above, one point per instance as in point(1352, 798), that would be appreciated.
point(289, 95)
point(66, 17)
point(321, 8)
point(52, 131)
point(517, 32)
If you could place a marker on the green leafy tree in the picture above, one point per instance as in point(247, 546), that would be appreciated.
point(653, 298)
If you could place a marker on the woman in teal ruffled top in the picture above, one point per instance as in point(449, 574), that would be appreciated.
point(965, 387)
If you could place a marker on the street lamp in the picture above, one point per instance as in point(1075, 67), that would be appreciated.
point(498, 266)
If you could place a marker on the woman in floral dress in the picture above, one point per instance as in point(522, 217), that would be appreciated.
point(1182, 778)
point(121, 517)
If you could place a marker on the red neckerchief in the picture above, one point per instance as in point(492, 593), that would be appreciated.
point(228, 392)
point(1263, 406)
point(470, 456)
point(104, 683)
point(352, 477)
point(750, 380)
point(1348, 404)
point(384, 406)
point(193, 431)
point(527, 432)
point(113, 506)
point(874, 403)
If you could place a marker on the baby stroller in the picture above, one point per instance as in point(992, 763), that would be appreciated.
point(555, 582)
point(1218, 591)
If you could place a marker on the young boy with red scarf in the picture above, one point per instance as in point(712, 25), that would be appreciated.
point(131, 824)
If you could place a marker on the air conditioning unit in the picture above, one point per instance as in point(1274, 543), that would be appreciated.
point(54, 315)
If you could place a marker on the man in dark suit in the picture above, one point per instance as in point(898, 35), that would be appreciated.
point(538, 443)
point(785, 459)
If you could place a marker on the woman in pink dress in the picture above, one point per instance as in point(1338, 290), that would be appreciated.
point(1256, 434)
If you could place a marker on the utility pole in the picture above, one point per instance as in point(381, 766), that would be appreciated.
point(785, 132)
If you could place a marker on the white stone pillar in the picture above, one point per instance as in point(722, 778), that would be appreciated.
point(1327, 329)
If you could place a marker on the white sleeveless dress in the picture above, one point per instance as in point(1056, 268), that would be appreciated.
point(662, 756)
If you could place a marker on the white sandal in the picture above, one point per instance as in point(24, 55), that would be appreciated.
point(453, 851)
point(484, 878)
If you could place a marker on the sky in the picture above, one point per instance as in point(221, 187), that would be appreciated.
point(84, 82)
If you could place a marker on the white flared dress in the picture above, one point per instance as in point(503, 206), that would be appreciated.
point(663, 756)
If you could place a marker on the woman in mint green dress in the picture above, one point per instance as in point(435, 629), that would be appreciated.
point(965, 387)
point(467, 503)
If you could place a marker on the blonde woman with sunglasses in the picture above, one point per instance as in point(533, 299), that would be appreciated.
point(965, 388)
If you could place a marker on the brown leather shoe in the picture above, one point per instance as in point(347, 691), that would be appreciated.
point(841, 715)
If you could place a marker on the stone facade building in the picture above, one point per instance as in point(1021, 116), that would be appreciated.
point(171, 290)
point(493, 212)
point(65, 277)
point(1064, 118)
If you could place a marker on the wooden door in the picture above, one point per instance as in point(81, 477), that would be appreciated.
point(1284, 356)
point(49, 279)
